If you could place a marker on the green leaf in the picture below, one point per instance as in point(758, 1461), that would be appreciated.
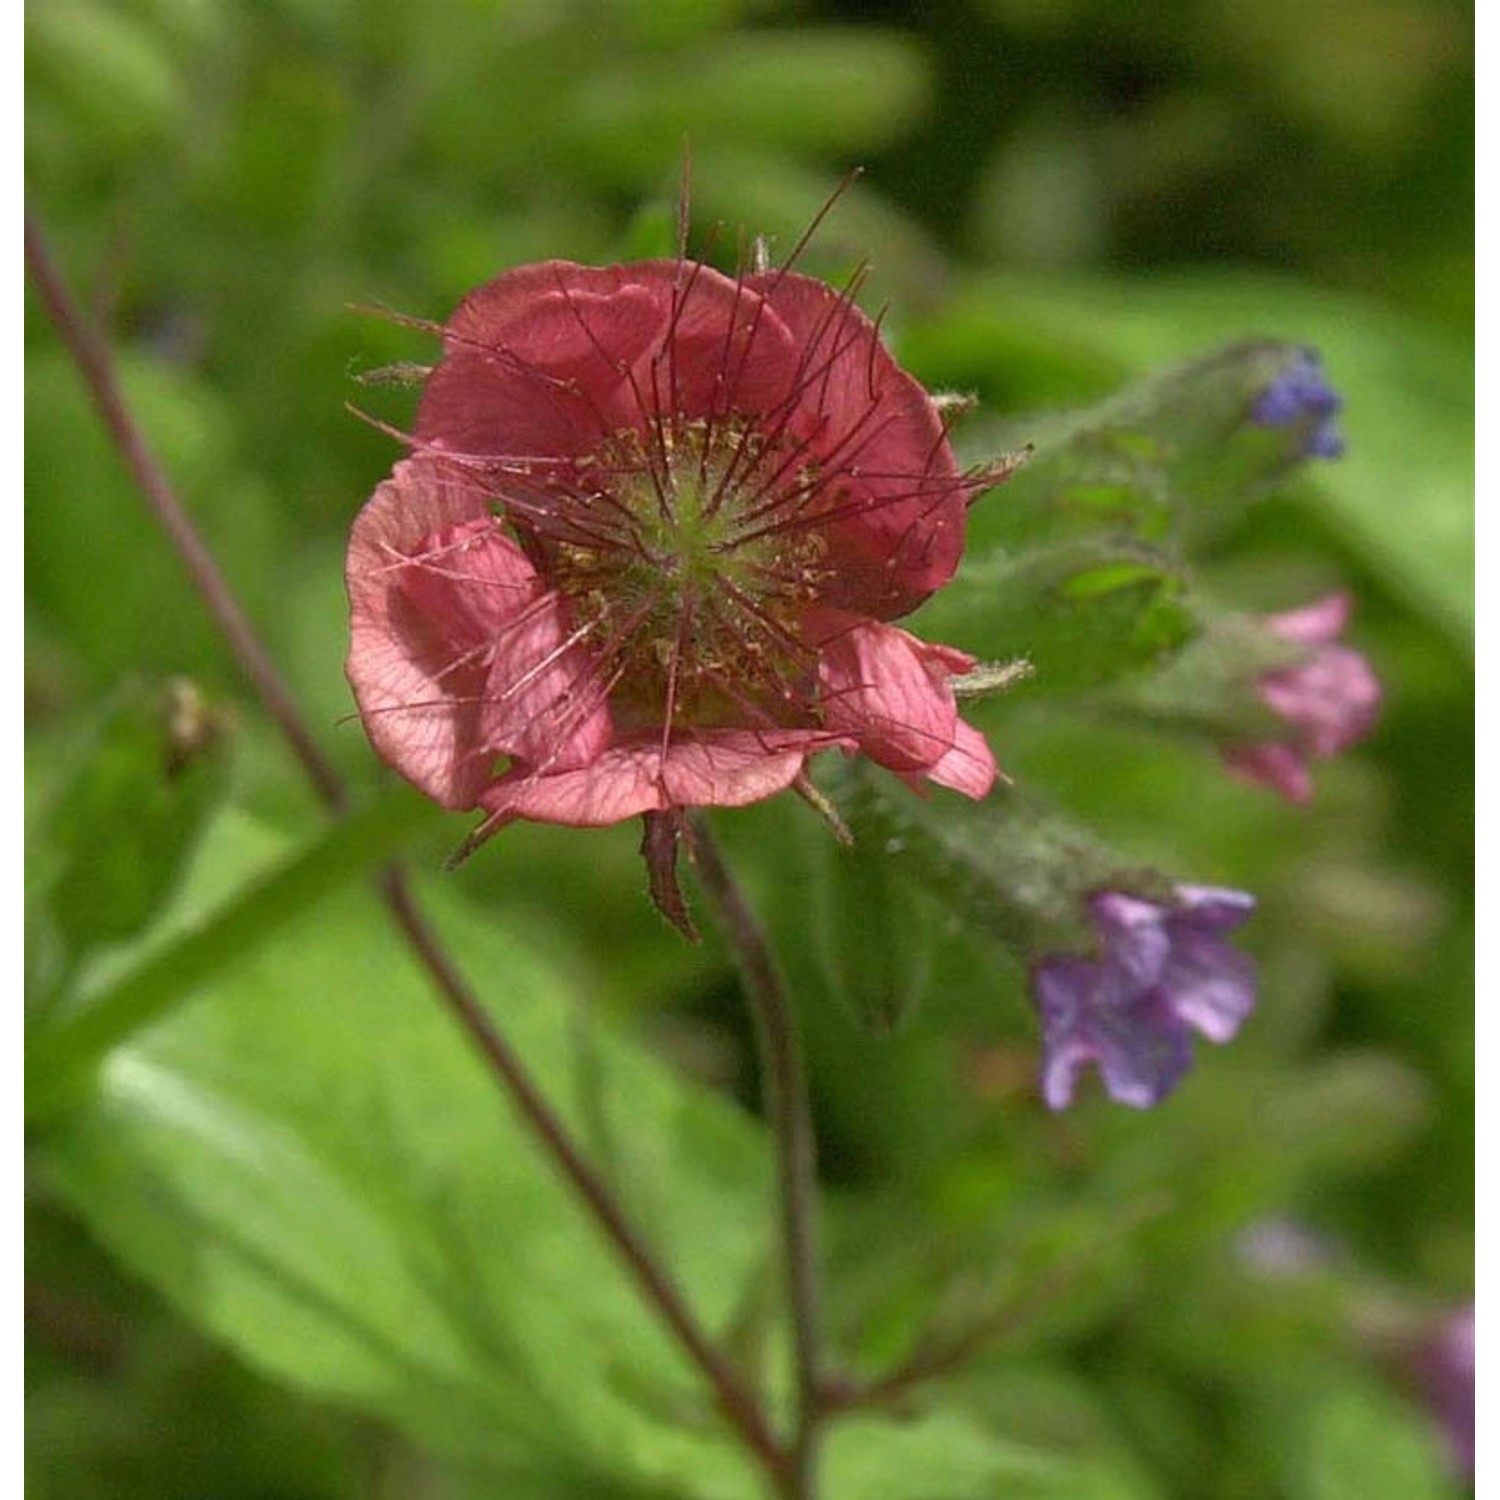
point(1362, 1445)
point(111, 71)
point(1083, 614)
point(97, 570)
point(312, 1162)
point(1208, 689)
point(66, 1049)
point(1073, 563)
point(943, 1455)
point(122, 828)
point(828, 87)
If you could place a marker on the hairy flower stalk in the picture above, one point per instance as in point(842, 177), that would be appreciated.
point(647, 547)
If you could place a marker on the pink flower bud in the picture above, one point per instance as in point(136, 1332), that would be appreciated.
point(1328, 701)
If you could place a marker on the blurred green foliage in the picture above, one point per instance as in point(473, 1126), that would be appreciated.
point(300, 1161)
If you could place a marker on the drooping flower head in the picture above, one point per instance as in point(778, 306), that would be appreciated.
point(1301, 394)
point(646, 550)
point(1163, 972)
point(1328, 701)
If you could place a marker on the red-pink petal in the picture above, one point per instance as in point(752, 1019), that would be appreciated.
point(1332, 699)
point(1328, 700)
point(969, 767)
point(457, 653)
point(420, 712)
point(713, 768)
point(723, 351)
point(548, 360)
point(544, 702)
point(900, 502)
point(892, 693)
point(537, 362)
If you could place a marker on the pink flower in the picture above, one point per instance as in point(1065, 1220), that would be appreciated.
point(646, 549)
point(1329, 700)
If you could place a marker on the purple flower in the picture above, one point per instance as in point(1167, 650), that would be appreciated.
point(1328, 701)
point(1163, 973)
point(1299, 393)
point(1445, 1366)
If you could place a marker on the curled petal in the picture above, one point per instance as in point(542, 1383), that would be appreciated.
point(1301, 395)
point(1212, 984)
point(543, 703)
point(727, 350)
point(537, 361)
point(1333, 699)
point(723, 768)
point(1143, 1052)
point(1062, 989)
point(458, 654)
point(552, 359)
point(418, 674)
point(1215, 908)
point(1133, 933)
point(892, 694)
point(1140, 1049)
point(969, 767)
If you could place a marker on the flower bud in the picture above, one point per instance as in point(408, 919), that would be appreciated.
point(1300, 396)
point(1326, 702)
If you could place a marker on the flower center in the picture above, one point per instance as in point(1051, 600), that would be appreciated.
point(687, 555)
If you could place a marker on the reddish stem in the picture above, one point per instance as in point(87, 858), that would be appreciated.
point(789, 1113)
point(91, 355)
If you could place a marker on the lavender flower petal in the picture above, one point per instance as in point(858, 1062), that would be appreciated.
point(1163, 973)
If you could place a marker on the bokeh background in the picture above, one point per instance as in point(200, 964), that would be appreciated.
point(1057, 194)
